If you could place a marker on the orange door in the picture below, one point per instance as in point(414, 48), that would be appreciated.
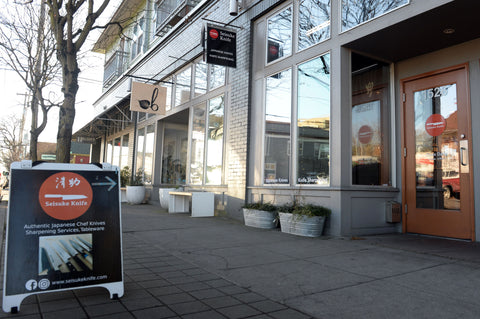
point(437, 179)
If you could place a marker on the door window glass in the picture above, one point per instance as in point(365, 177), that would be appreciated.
point(437, 148)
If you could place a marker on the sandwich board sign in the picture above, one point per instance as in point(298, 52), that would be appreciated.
point(63, 230)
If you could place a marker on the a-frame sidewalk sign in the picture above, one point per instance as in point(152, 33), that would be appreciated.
point(63, 230)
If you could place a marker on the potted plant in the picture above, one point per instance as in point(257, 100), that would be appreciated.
point(260, 215)
point(124, 180)
point(303, 220)
point(136, 189)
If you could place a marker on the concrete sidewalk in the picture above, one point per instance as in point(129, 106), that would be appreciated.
point(176, 266)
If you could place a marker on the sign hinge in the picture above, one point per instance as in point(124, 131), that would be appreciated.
point(406, 209)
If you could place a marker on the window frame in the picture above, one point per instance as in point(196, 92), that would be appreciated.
point(205, 104)
point(294, 139)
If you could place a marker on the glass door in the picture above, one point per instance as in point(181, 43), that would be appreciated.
point(437, 171)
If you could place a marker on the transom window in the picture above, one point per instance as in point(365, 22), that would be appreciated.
point(311, 26)
point(355, 12)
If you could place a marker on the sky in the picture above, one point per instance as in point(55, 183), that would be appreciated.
point(90, 83)
point(13, 90)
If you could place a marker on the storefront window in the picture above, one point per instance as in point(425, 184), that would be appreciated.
point(355, 12)
point(215, 141)
point(217, 76)
point(313, 22)
point(200, 78)
point(279, 35)
point(198, 145)
point(140, 148)
point(277, 128)
point(174, 154)
point(148, 157)
point(124, 152)
point(313, 121)
point(370, 122)
point(182, 87)
point(168, 85)
point(116, 151)
point(109, 152)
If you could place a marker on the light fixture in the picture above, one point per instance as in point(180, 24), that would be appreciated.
point(449, 31)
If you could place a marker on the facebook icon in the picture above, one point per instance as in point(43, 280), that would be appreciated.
point(31, 285)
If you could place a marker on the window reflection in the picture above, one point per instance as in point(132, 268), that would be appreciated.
point(313, 22)
point(277, 128)
point(279, 35)
point(436, 144)
point(314, 121)
point(355, 12)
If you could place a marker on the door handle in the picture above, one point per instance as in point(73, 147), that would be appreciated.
point(463, 150)
point(464, 156)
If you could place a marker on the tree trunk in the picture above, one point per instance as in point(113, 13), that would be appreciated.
point(67, 110)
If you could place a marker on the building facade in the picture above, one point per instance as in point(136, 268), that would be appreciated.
point(365, 107)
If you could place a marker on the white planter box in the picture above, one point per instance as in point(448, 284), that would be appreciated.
point(163, 195)
point(302, 225)
point(135, 194)
point(260, 218)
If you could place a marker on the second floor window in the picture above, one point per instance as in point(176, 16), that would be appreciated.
point(137, 38)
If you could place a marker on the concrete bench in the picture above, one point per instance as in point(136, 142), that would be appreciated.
point(202, 203)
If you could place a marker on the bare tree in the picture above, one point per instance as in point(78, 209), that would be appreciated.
point(28, 48)
point(71, 22)
point(11, 148)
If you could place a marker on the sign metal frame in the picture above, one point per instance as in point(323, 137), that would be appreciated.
point(48, 253)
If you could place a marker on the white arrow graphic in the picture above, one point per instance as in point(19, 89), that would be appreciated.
point(110, 182)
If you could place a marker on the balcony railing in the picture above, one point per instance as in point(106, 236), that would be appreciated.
point(114, 67)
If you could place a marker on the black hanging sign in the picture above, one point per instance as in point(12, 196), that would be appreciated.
point(63, 230)
point(221, 46)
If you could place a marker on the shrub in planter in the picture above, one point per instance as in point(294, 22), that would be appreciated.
point(260, 215)
point(303, 220)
